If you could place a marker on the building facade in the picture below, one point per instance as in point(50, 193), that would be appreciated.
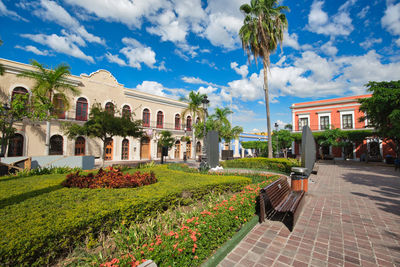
point(157, 113)
point(342, 113)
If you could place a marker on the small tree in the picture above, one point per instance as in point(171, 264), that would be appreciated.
point(382, 111)
point(284, 141)
point(104, 124)
point(166, 141)
point(20, 108)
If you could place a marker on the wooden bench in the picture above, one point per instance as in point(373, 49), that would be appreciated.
point(278, 199)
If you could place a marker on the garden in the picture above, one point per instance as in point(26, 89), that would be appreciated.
point(166, 213)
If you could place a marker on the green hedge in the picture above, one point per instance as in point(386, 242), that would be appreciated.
point(281, 165)
point(40, 219)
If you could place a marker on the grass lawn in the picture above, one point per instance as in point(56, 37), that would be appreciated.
point(41, 219)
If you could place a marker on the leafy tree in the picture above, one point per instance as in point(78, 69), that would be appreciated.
point(228, 133)
point(262, 31)
point(284, 141)
point(20, 108)
point(103, 124)
point(166, 141)
point(48, 83)
point(288, 127)
point(220, 117)
point(195, 108)
point(382, 111)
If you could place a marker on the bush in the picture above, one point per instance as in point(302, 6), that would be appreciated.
point(40, 219)
point(280, 165)
point(190, 241)
point(109, 178)
point(43, 171)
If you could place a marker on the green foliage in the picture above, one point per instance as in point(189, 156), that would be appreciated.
point(166, 139)
point(41, 219)
point(104, 124)
point(45, 170)
point(331, 137)
point(281, 165)
point(383, 110)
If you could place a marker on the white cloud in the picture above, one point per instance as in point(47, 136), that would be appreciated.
point(130, 13)
point(329, 49)
point(196, 80)
point(248, 89)
point(369, 42)
point(391, 20)
point(243, 70)
point(115, 59)
point(8, 13)
point(290, 40)
point(151, 87)
point(61, 44)
point(169, 28)
point(51, 11)
point(363, 12)
point(137, 53)
point(33, 49)
point(338, 24)
point(398, 42)
point(222, 30)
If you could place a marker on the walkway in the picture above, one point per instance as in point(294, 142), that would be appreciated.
point(351, 218)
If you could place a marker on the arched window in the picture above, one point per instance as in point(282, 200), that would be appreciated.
point(80, 146)
point(18, 91)
point(189, 123)
point(197, 120)
point(177, 122)
point(56, 145)
point(125, 149)
point(110, 108)
point(59, 108)
point(81, 109)
point(160, 119)
point(198, 147)
point(177, 149)
point(126, 112)
point(16, 146)
point(188, 149)
point(146, 118)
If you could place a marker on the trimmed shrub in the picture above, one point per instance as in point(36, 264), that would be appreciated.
point(281, 165)
point(109, 178)
point(40, 219)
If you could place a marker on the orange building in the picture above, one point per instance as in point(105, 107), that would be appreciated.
point(342, 113)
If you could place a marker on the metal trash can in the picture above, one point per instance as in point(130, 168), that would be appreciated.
point(299, 179)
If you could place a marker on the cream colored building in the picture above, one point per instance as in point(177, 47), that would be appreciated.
point(158, 113)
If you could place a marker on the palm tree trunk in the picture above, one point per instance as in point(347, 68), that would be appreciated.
point(266, 92)
point(48, 137)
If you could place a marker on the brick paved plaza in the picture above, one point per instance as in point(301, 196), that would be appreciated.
point(351, 218)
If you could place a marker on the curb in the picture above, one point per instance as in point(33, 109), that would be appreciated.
point(221, 253)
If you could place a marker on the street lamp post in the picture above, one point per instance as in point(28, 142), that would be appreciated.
point(277, 143)
point(5, 111)
point(204, 163)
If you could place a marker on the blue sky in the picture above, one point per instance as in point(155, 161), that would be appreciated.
point(170, 47)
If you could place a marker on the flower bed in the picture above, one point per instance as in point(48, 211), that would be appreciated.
point(191, 241)
point(109, 178)
point(40, 219)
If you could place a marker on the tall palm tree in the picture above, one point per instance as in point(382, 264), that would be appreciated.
point(262, 31)
point(1, 65)
point(194, 108)
point(220, 116)
point(51, 82)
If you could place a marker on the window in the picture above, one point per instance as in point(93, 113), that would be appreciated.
point(16, 146)
point(197, 120)
point(160, 119)
point(18, 91)
point(56, 145)
point(347, 121)
point(125, 149)
point(189, 123)
point(110, 108)
point(81, 109)
point(198, 148)
point(126, 112)
point(324, 122)
point(80, 146)
point(59, 108)
point(302, 122)
point(146, 118)
point(177, 122)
